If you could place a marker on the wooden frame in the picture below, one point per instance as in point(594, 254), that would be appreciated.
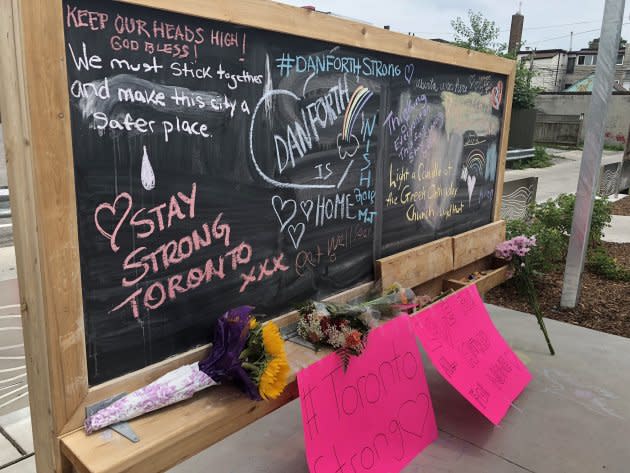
point(35, 108)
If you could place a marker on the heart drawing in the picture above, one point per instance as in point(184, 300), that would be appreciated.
point(113, 209)
point(471, 181)
point(296, 232)
point(279, 205)
point(307, 208)
point(413, 415)
point(343, 145)
point(409, 69)
point(497, 95)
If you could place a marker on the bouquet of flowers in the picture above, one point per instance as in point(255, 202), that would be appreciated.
point(515, 251)
point(243, 350)
point(344, 327)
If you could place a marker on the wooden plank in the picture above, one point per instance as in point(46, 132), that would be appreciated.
point(505, 133)
point(477, 244)
point(417, 265)
point(485, 283)
point(46, 394)
point(137, 379)
point(302, 22)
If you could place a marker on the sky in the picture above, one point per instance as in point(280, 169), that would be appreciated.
point(548, 23)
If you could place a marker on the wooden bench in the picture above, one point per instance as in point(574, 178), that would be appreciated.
point(176, 433)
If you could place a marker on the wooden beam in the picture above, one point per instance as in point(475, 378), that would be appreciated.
point(287, 19)
point(417, 265)
point(505, 135)
point(477, 244)
point(39, 162)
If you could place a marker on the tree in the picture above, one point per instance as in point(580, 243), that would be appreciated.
point(594, 43)
point(480, 34)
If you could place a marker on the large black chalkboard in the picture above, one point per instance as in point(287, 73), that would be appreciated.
point(218, 165)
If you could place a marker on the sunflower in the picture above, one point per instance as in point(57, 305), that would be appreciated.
point(272, 340)
point(274, 378)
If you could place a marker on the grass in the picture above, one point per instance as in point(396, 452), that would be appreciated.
point(541, 159)
point(614, 147)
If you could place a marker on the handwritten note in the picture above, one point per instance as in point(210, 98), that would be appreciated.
point(468, 350)
point(377, 416)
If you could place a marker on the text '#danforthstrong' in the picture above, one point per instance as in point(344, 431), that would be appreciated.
point(323, 63)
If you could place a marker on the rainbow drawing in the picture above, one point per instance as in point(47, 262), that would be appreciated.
point(476, 162)
point(358, 100)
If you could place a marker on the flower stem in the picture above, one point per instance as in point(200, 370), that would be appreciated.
point(533, 302)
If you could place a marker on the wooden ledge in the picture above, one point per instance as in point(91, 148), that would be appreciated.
point(173, 434)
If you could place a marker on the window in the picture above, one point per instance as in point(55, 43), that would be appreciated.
point(587, 60)
point(570, 65)
point(620, 59)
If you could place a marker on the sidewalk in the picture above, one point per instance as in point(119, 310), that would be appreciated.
point(562, 177)
point(573, 417)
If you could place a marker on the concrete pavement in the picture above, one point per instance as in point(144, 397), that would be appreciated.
point(573, 417)
point(562, 177)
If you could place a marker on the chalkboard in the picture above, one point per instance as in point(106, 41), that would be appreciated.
point(218, 165)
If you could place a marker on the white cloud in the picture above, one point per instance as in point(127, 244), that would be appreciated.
point(432, 20)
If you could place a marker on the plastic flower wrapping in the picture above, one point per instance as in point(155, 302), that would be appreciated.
point(243, 351)
point(344, 327)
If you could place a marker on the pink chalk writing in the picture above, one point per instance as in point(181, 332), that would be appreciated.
point(263, 271)
point(144, 222)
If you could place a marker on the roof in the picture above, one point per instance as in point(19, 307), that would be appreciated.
point(586, 85)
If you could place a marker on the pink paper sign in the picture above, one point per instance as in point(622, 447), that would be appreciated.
point(377, 416)
point(470, 353)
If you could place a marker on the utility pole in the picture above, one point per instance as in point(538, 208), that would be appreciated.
point(592, 154)
point(571, 42)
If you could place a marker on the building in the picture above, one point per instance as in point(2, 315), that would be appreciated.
point(558, 69)
point(549, 65)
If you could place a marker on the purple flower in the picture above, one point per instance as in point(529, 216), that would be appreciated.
point(517, 246)
point(230, 337)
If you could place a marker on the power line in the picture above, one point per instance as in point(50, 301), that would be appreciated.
point(568, 35)
point(564, 24)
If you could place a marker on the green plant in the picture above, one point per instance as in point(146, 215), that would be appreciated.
point(551, 244)
point(541, 159)
point(600, 262)
point(480, 34)
point(558, 213)
point(614, 147)
point(550, 222)
point(524, 92)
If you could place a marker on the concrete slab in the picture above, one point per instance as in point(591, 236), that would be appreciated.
point(8, 452)
point(3, 162)
point(573, 417)
point(562, 177)
point(17, 425)
point(24, 466)
point(7, 263)
point(619, 230)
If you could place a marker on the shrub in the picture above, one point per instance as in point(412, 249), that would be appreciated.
point(558, 213)
point(551, 222)
point(600, 262)
point(541, 159)
point(551, 244)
